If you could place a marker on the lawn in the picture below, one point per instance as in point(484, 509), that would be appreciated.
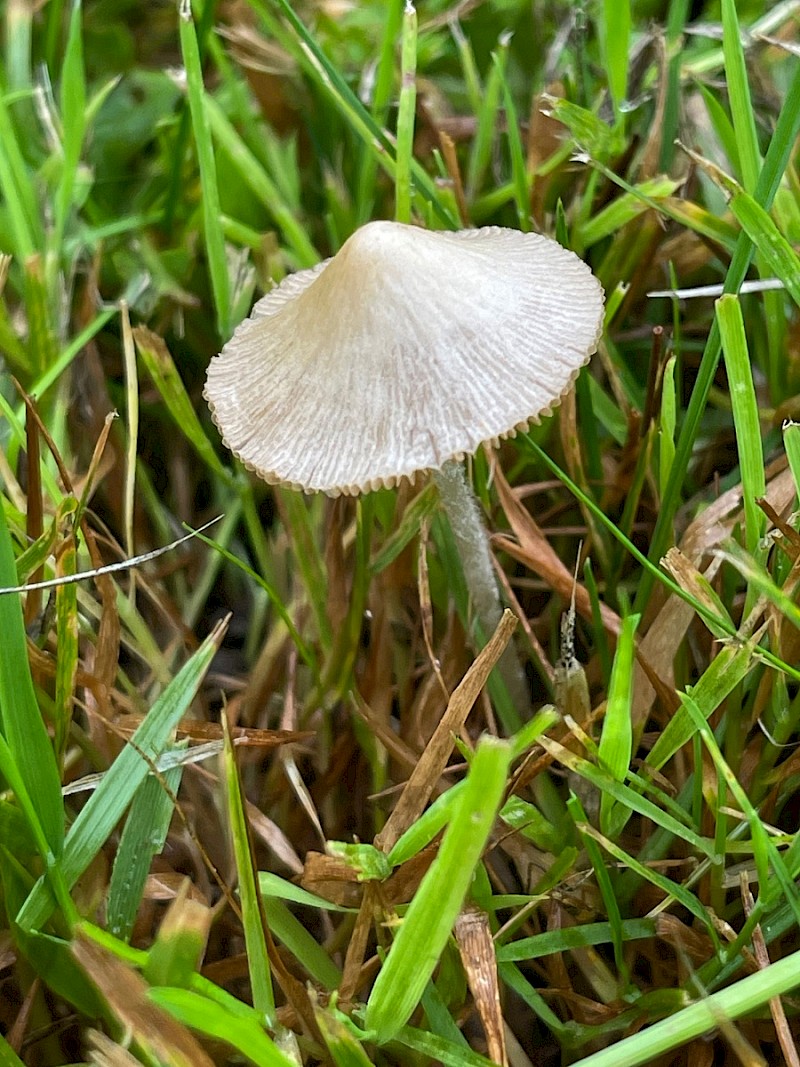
point(419, 684)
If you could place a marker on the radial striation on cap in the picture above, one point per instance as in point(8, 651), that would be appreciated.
point(406, 349)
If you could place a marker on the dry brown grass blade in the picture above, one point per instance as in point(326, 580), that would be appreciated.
point(476, 947)
point(103, 1052)
point(708, 531)
point(545, 138)
point(791, 542)
point(648, 163)
point(420, 786)
point(332, 879)
point(106, 650)
point(782, 1028)
point(403, 753)
point(533, 549)
point(448, 147)
point(357, 946)
point(573, 456)
point(688, 577)
point(125, 992)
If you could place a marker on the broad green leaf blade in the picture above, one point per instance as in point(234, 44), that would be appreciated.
point(745, 417)
point(726, 671)
point(616, 740)
point(431, 914)
point(142, 838)
point(747, 995)
point(344, 1049)
point(109, 801)
point(243, 1031)
point(164, 374)
point(777, 252)
point(21, 720)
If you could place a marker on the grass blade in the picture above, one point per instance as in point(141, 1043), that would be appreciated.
point(744, 123)
point(616, 740)
point(253, 915)
point(405, 115)
point(745, 417)
point(775, 163)
point(22, 723)
point(215, 241)
point(431, 914)
point(109, 801)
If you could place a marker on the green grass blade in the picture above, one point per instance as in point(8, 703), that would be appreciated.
point(739, 999)
point(310, 955)
point(253, 915)
point(142, 838)
point(676, 20)
point(344, 1048)
point(8, 1057)
point(768, 861)
point(243, 1031)
point(255, 175)
point(118, 786)
point(436, 904)
point(606, 887)
point(520, 177)
point(356, 115)
point(791, 441)
point(775, 163)
point(22, 724)
point(436, 1049)
point(405, 115)
point(381, 98)
point(728, 668)
point(616, 34)
point(487, 118)
point(723, 127)
point(742, 114)
point(215, 241)
point(616, 740)
point(164, 374)
point(777, 252)
point(72, 99)
point(554, 942)
point(625, 209)
point(18, 190)
point(745, 417)
point(67, 630)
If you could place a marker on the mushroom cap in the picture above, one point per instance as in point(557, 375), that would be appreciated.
point(406, 349)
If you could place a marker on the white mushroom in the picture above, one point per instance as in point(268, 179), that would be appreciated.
point(406, 350)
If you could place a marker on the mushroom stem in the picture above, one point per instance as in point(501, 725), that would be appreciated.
point(472, 542)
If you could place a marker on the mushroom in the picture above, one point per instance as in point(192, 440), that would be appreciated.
point(401, 355)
